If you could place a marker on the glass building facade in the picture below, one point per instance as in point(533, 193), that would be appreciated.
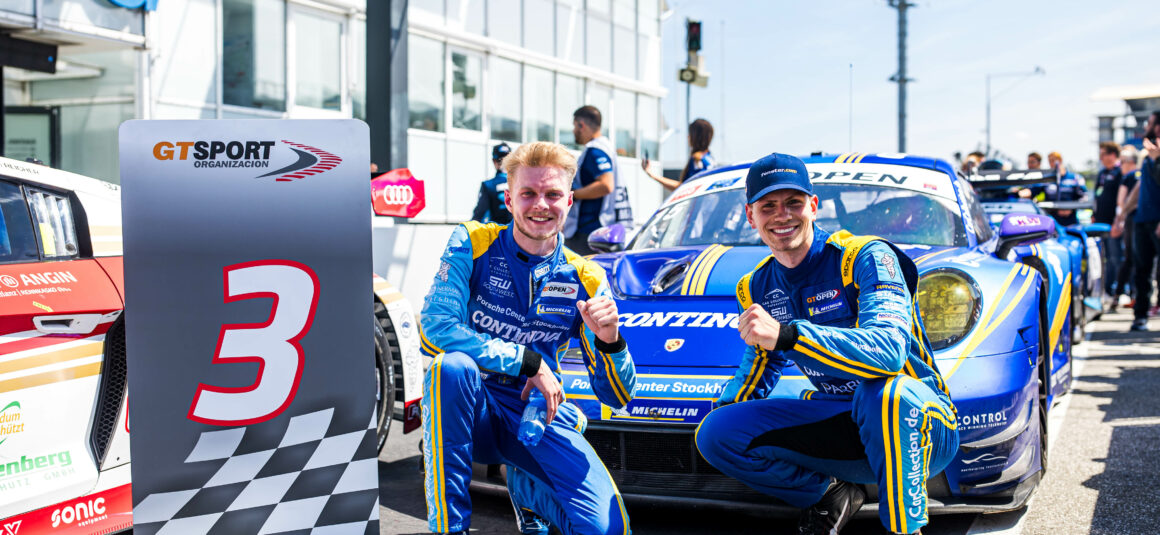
point(479, 72)
point(514, 71)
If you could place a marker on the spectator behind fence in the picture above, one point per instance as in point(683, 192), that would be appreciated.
point(700, 159)
point(1067, 187)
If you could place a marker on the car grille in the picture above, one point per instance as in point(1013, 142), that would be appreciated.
point(112, 391)
point(662, 462)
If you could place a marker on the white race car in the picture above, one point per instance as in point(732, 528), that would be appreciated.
point(64, 430)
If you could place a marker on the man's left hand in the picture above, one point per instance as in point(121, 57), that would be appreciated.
point(758, 328)
point(1152, 148)
point(601, 317)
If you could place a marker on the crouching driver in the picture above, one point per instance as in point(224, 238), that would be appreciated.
point(842, 308)
point(505, 303)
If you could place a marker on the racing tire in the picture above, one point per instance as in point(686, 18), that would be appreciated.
point(384, 381)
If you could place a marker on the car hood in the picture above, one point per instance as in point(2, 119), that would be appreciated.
point(711, 270)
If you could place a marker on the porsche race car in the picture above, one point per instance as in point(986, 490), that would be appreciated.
point(64, 429)
point(994, 303)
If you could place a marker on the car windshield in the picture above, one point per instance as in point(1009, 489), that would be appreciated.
point(899, 215)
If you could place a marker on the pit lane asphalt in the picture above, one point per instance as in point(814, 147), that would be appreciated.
point(1103, 475)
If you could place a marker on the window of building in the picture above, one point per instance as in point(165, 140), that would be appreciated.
point(358, 69)
point(540, 26)
point(624, 60)
point(599, 41)
point(505, 21)
point(504, 99)
point(430, 6)
point(466, 83)
point(625, 121)
point(649, 56)
point(538, 106)
point(469, 15)
point(569, 97)
point(570, 30)
point(317, 60)
point(600, 95)
point(650, 126)
point(425, 73)
point(648, 17)
point(254, 53)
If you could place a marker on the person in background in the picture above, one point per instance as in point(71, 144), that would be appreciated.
point(490, 207)
point(1034, 160)
point(1109, 182)
point(972, 162)
point(1130, 168)
point(1145, 200)
point(700, 159)
point(1068, 187)
point(601, 198)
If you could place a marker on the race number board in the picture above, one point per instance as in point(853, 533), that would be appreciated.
point(249, 326)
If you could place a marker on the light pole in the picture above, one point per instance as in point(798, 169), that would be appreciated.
point(1038, 70)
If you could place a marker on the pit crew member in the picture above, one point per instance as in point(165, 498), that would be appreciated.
point(841, 307)
point(490, 207)
point(504, 306)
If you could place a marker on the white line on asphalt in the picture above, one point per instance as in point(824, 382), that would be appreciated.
point(1012, 523)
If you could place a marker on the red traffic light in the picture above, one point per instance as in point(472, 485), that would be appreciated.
point(693, 35)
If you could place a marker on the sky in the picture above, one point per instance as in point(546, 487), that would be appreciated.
point(781, 75)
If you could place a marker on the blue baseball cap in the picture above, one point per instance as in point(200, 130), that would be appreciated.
point(774, 172)
point(498, 152)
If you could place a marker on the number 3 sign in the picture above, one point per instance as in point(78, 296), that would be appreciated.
point(249, 324)
point(272, 344)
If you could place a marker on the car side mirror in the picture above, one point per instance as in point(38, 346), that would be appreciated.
point(1097, 230)
point(608, 239)
point(1023, 229)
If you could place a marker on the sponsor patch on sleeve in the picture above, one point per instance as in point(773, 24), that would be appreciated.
point(895, 319)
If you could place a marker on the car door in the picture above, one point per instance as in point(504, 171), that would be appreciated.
point(56, 304)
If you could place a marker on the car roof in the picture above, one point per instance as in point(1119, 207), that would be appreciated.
point(931, 176)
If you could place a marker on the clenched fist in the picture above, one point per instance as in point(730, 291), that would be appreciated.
point(758, 328)
point(601, 317)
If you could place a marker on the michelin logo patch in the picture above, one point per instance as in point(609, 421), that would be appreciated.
point(549, 309)
point(561, 289)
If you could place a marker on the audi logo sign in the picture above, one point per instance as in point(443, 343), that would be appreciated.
point(398, 193)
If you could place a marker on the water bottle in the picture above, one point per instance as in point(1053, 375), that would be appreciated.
point(534, 420)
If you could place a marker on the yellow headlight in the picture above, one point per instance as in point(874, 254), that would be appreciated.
point(949, 303)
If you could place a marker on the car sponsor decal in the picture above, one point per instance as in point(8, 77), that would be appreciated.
point(108, 511)
point(679, 319)
point(58, 361)
point(673, 344)
point(11, 421)
point(887, 175)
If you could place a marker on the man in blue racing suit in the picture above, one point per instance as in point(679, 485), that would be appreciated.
point(504, 306)
point(841, 307)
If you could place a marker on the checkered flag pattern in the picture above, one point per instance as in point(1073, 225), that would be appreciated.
point(309, 483)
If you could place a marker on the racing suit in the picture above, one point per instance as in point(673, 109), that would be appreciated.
point(878, 411)
point(493, 313)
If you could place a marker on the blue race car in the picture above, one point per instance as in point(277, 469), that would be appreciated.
point(1083, 242)
point(994, 303)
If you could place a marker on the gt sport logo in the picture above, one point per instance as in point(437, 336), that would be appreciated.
point(829, 294)
point(216, 154)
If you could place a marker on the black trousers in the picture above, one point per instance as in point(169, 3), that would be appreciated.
point(1145, 247)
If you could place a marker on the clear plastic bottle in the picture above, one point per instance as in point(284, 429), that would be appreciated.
point(534, 421)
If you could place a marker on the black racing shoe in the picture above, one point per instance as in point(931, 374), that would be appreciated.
point(836, 507)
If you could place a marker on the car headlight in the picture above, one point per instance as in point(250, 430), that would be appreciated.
point(949, 302)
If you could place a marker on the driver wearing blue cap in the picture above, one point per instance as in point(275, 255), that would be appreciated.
point(842, 308)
